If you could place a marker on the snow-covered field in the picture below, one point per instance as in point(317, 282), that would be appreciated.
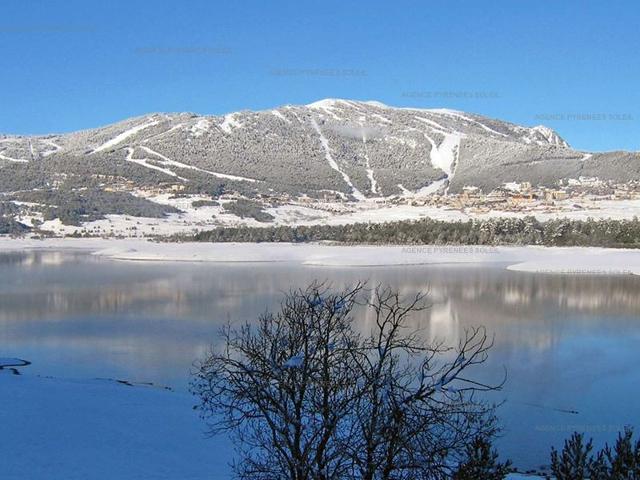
point(567, 260)
point(338, 213)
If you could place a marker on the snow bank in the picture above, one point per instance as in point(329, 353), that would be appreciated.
point(571, 260)
point(589, 261)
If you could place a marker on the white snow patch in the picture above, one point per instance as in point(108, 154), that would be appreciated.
point(168, 161)
point(444, 156)
point(53, 145)
point(124, 135)
point(410, 142)
point(370, 173)
point(15, 160)
point(434, 187)
point(375, 103)
point(200, 127)
point(230, 123)
point(435, 125)
point(405, 191)
point(381, 118)
point(143, 162)
point(334, 165)
point(457, 114)
point(280, 116)
point(549, 135)
point(325, 103)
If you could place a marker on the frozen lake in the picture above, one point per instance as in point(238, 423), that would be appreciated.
point(570, 343)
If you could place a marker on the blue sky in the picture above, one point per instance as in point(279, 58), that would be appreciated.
point(571, 65)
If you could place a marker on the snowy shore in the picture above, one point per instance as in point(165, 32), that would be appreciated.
point(556, 260)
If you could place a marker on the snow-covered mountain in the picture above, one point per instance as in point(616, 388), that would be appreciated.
point(350, 149)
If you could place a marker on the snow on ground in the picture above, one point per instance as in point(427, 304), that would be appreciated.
point(144, 162)
point(444, 156)
point(167, 161)
point(200, 127)
point(334, 165)
point(455, 113)
point(230, 123)
point(370, 175)
point(432, 188)
point(11, 159)
point(560, 260)
point(55, 147)
point(596, 262)
point(62, 429)
point(280, 116)
point(370, 172)
point(329, 213)
point(434, 125)
point(123, 136)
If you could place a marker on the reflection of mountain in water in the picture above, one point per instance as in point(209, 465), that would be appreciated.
point(54, 284)
point(567, 341)
point(159, 311)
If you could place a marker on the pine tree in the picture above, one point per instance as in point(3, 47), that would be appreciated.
point(575, 462)
point(624, 460)
point(481, 462)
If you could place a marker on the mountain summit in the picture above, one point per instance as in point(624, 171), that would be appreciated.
point(349, 149)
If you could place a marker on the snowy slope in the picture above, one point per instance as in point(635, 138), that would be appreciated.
point(354, 149)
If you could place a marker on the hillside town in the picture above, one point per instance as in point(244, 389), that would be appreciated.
point(573, 194)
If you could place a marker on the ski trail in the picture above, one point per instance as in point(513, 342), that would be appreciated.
point(175, 127)
point(55, 146)
point(372, 180)
point(444, 156)
point(433, 187)
point(168, 161)
point(404, 190)
point(436, 126)
point(334, 165)
point(470, 120)
point(123, 136)
point(14, 160)
point(143, 162)
point(381, 118)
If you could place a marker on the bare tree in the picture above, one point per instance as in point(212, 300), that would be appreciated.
point(306, 396)
point(418, 411)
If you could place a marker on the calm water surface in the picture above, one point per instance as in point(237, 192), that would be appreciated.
point(570, 344)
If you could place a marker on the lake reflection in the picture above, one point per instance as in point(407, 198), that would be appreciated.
point(569, 343)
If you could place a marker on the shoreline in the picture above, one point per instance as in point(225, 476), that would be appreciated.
point(531, 259)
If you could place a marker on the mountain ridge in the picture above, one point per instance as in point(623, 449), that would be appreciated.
point(350, 149)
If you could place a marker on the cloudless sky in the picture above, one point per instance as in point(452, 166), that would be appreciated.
point(573, 65)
